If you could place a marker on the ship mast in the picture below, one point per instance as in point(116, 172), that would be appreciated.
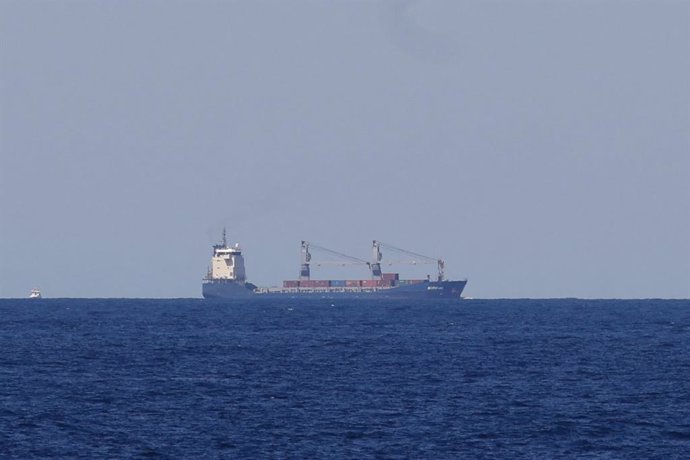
point(376, 264)
point(306, 258)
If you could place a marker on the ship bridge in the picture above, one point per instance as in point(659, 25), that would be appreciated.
point(227, 262)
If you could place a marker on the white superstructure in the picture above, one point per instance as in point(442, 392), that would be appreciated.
point(227, 263)
point(35, 294)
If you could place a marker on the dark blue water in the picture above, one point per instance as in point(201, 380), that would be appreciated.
point(296, 379)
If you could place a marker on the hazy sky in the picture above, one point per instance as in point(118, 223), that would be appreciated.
point(541, 147)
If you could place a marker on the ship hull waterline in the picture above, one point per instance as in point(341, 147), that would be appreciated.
point(426, 290)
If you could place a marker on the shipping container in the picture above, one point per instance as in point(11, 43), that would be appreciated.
point(337, 283)
point(321, 283)
point(390, 276)
point(384, 283)
point(370, 283)
point(290, 284)
point(307, 283)
point(353, 283)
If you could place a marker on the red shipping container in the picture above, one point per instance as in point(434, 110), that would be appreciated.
point(290, 284)
point(369, 283)
point(353, 283)
point(306, 283)
point(390, 276)
point(321, 283)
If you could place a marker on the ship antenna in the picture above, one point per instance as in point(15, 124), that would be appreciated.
point(225, 244)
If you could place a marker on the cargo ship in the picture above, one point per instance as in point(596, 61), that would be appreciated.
point(226, 277)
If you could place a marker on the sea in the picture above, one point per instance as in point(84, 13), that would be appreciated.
point(324, 378)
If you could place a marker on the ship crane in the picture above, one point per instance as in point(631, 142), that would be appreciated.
point(305, 270)
point(417, 259)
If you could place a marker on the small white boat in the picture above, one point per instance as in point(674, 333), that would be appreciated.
point(35, 294)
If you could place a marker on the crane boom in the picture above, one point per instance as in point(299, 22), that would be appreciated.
point(405, 251)
point(424, 259)
point(305, 271)
point(354, 260)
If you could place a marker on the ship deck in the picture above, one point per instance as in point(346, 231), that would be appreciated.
point(320, 290)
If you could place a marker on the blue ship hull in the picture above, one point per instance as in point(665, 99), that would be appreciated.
point(219, 289)
point(424, 290)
